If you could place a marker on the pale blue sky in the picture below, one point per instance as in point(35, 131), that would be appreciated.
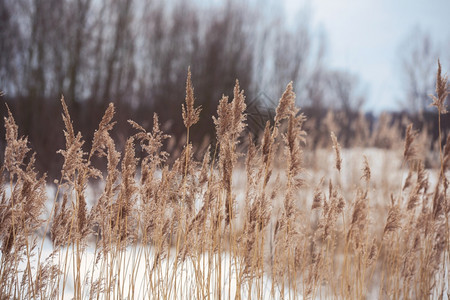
point(364, 37)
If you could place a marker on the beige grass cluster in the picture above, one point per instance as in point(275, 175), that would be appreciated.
point(171, 216)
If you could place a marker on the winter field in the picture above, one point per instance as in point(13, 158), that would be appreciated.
point(137, 274)
point(255, 218)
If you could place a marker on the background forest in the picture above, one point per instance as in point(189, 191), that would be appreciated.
point(136, 54)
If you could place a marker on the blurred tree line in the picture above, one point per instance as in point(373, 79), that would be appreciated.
point(136, 53)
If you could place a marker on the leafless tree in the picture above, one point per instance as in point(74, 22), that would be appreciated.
point(418, 57)
point(345, 91)
point(136, 53)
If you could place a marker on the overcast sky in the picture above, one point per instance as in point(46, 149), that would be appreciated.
point(365, 37)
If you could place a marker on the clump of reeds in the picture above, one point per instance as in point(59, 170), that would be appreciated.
point(161, 230)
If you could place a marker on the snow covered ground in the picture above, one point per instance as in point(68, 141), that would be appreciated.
point(133, 279)
point(133, 274)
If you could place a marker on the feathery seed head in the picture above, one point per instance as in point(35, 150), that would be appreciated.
point(101, 135)
point(190, 114)
point(69, 133)
point(286, 105)
point(366, 170)
point(394, 219)
point(442, 91)
point(239, 106)
point(337, 151)
point(223, 121)
point(410, 151)
point(16, 148)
